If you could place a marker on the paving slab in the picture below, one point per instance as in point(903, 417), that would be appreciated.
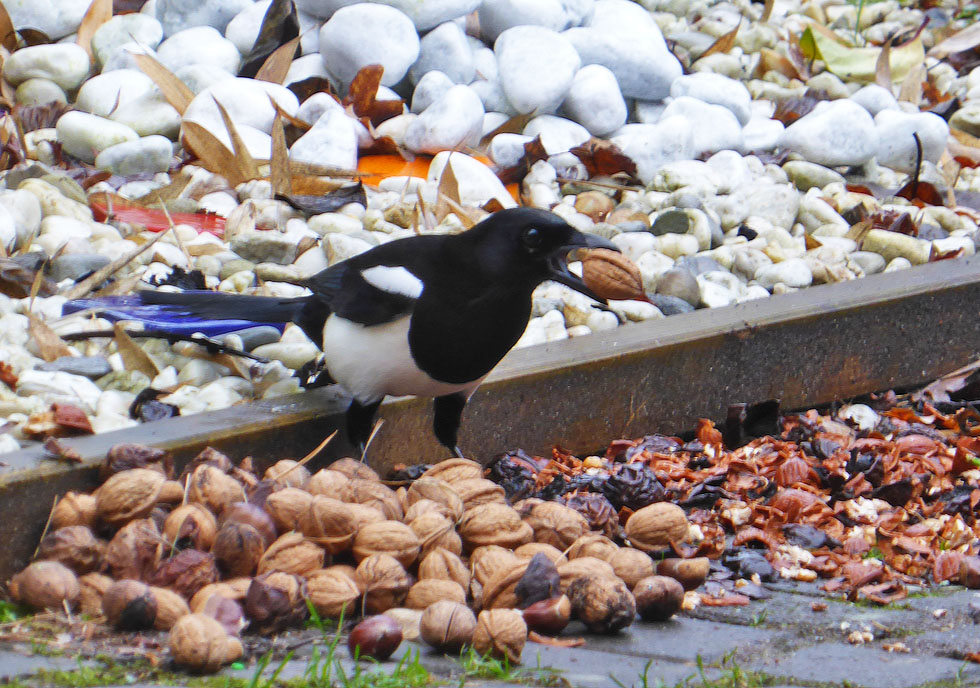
point(15, 664)
point(585, 668)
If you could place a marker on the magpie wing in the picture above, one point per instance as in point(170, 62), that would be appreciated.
point(368, 296)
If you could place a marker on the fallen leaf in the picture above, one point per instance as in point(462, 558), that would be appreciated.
point(57, 450)
point(49, 344)
point(7, 375)
point(771, 61)
point(244, 162)
point(134, 358)
point(603, 158)
point(723, 43)
point(8, 36)
point(858, 64)
point(173, 89)
point(213, 155)
point(883, 66)
point(280, 26)
point(276, 66)
point(514, 125)
point(327, 203)
point(362, 96)
point(536, 637)
point(967, 39)
point(279, 164)
point(98, 13)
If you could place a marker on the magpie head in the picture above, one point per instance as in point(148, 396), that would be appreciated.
point(534, 245)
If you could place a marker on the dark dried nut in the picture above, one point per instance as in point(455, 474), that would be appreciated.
point(603, 604)
point(332, 593)
point(45, 585)
point(227, 612)
point(170, 607)
point(440, 492)
point(387, 537)
point(583, 567)
point(597, 511)
point(275, 601)
point(135, 551)
point(376, 637)
point(658, 597)
point(243, 512)
point(488, 561)
point(556, 524)
point(292, 553)
point(123, 457)
point(383, 581)
point(431, 590)
point(540, 581)
point(436, 531)
point(74, 509)
point(453, 470)
point(374, 494)
point(129, 605)
point(631, 565)
point(128, 495)
point(970, 571)
point(213, 488)
point(501, 633)
point(654, 527)
point(92, 587)
point(593, 545)
point(232, 589)
point(447, 626)
point(190, 525)
point(445, 565)
point(493, 524)
point(477, 491)
point(611, 275)
point(329, 523)
point(287, 473)
point(691, 573)
point(287, 507)
point(209, 457)
point(186, 572)
point(198, 643)
point(353, 468)
point(75, 547)
point(238, 548)
point(328, 482)
point(634, 486)
point(549, 617)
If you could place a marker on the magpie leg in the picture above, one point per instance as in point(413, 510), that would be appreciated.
point(447, 413)
point(360, 419)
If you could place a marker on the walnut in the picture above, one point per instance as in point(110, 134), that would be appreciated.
point(190, 525)
point(328, 483)
point(255, 516)
point(436, 531)
point(387, 537)
point(363, 515)
point(232, 589)
point(485, 561)
point(92, 587)
point(74, 509)
point(447, 626)
point(603, 604)
point(691, 573)
point(477, 491)
point(592, 545)
point(611, 275)
point(292, 553)
point(555, 555)
point(135, 551)
point(329, 523)
point(354, 469)
point(373, 493)
point(186, 572)
point(287, 473)
point(287, 507)
point(430, 590)
point(128, 495)
point(423, 506)
point(493, 524)
point(75, 547)
point(129, 605)
point(499, 589)
point(170, 607)
point(275, 601)
point(383, 581)
point(45, 585)
point(237, 548)
point(453, 470)
point(408, 619)
point(556, 524)
point(656, 525)
point(588, 567)
point(213, 488)
point(501, 633)
point(332, 593)
point(200, 644)
point(125, 456)
point(631, 565)
point(444, 565)
point(438, 491)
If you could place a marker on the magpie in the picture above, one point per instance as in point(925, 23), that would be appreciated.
point(427, 315)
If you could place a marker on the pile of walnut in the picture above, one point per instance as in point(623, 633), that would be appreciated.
point(445, 558)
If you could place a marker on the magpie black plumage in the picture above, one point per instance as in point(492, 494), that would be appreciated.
point(424, 315)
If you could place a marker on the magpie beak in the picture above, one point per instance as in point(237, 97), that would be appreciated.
point(558, 263)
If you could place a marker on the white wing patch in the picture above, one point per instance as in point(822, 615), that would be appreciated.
point(394, 280)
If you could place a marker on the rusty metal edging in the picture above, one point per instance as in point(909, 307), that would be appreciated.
point(809, 347)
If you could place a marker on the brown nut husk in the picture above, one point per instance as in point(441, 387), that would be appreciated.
point(237, 549)
point(170, 607)
point(332, 593)
point(444, 565)
point(126, 456)
point(329, 523)
point(232, 589)
point(376, 637)
point(691, 573)
point(198, 643)
point(190, 525)
point(658, 597)
point(603, 604)
point(501, 633)
point(213, 488)
point(45, 585)
point(275, 601)
point(438, 491)
point(631, 565)
point(583, 567)
point(74, 509)
point(454, 470)
point(430, 590)
point(287, 473)
point(555, 555)
point(129, 605)
point(383, 581)
point(447, 626)
point(186, 572)
point(611, 275)
point(653, 527)
point(435, 531)
point(74, 546)
point(328, 483)
point(593, 545)
point(477, 491)
point(493, 524)
point(488, 560)
point(92, 587)
point(292, 553)
point(135, 551)
point(549, 617)
point(128, 495)
point(354, 469)
point(387, 537)
point(372, 493)
point(258, 518)
point(556, 524)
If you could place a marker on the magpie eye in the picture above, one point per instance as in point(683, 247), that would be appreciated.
point(532, 237)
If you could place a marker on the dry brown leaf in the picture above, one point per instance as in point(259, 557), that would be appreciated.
point(515, 125)
point(279, 165)
point(213, 155)
point(134, 358)
point(173, 89)
point(883, 67)
point(724, 43)
point(767, 10)
point(49, 344)
point(301, 167)
point(911, 89)
point(771, 61)
point(243, 158)
point(306, 185)
point(276, 66)
point(99, 12)
point(8, 36)
point(967, 39)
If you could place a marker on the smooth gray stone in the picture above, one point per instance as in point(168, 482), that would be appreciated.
point(75, 265)
point(91, 367)
point(700, 264)
point(670, 305)
point(671, 222)
point(257, 336)
point(681, 283)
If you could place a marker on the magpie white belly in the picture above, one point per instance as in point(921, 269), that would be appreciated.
point(374, 361)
